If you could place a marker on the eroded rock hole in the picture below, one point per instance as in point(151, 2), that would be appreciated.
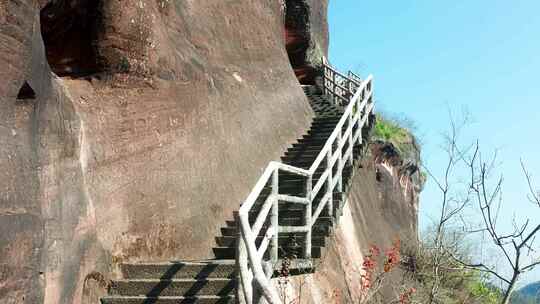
point(297, 39)
point(69, 31)
point(26, 92)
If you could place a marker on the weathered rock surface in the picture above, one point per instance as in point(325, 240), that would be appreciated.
point(166, 115)
point(306, 31)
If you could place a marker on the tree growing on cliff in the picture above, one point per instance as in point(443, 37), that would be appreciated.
point(443, 240)
point(516, 246)
point(484, 194)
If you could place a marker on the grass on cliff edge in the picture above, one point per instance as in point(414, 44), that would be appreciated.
point(398, 132)
point(390, 131)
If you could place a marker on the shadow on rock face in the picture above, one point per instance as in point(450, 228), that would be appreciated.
point(26, 93)
point(95, 287)
point(304, 48)
point(69, 33)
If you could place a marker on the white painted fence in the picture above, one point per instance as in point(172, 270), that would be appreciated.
point(255, 265)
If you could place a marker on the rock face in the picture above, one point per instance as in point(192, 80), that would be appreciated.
point(131, 130)
point(165, 116)
point(306, 32)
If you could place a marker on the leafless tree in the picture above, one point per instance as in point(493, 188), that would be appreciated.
point(452, 204)
point(478, 191)
point(517, 246)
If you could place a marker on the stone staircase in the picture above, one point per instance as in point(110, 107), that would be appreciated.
point(202, 282)
point(215, 281)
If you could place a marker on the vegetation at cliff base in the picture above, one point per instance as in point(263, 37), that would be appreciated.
point(453, 283)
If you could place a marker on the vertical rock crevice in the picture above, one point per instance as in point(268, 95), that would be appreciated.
point(306, 37)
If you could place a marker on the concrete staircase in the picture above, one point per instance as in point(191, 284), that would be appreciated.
point(214, 281)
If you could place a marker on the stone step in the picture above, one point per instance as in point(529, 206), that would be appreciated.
point(169, 300)
point(299, 191)
point(309, 139)
point(298, 161)
point(289, 212)
point(324, 126)
point(302, 145)
point(284, 207)
point(325, 129)
point(337, 195)
point(312, 141)
point(316, 174)
point(294, 190)
point(301, 182)
point(297, 266)
point(322, 121)
point(179, 270)
point(317, 230)
point(175, 287)
point(297, 148)
point(318, 141)
point(291, 252)
point(304, 148)
point(289, 179)
point(289, 221)
point(319, 132)
point(306, 165)
point(305, 154)
point(302, 156)
point(230, 241)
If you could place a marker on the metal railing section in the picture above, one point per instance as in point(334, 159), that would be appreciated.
point(338, 87)
point(256, 259)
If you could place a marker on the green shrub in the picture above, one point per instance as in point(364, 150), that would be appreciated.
point(391, 131)
point(484, 291)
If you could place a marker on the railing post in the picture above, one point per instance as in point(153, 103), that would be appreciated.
point(350, 139)
point(324, 80)
point(339, 162)
point(358, 102)
point(307, 217)
point(246, 277)
point(329, 184)
point(275, 217)
point(350, 88)
point(334, 90)
point(268, 271)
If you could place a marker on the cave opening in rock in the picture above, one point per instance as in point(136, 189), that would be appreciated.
point(69, 31)
point(26, 92)
point(297, 39)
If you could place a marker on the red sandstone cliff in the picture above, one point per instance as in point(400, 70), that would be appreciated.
point(162, 120)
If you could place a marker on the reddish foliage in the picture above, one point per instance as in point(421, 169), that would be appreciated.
point(405, 297)
point(393, 256)
point(371, 277)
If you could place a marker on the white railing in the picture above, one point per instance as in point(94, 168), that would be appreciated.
point(256, 262)
point(338, 87)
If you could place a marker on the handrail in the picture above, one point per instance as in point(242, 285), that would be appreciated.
point(256, 267)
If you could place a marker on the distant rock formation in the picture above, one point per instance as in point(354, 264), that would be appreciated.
point(529, 294)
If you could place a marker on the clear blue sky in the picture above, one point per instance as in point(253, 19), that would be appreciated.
point(427, 56)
